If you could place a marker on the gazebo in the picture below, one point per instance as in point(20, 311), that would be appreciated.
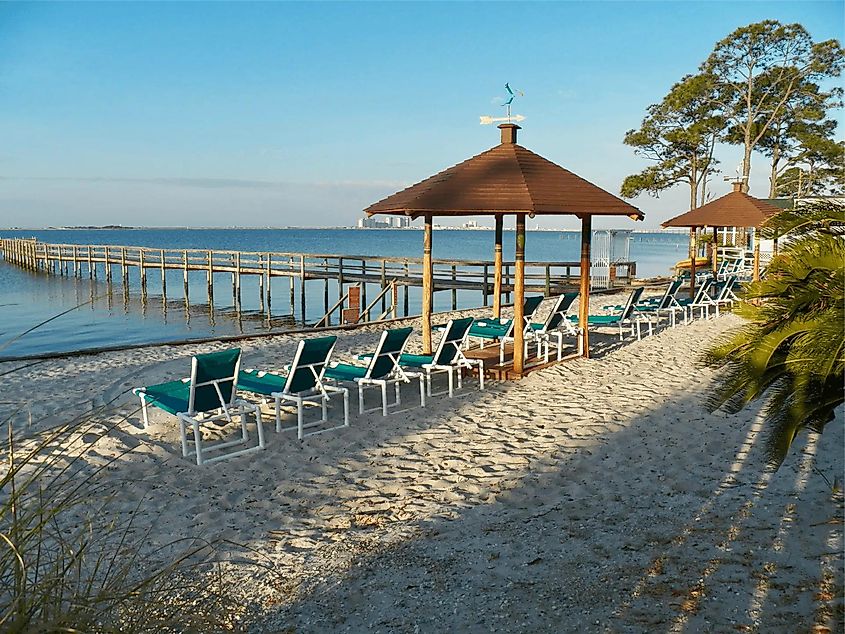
point(506, 179)
point(736, 209)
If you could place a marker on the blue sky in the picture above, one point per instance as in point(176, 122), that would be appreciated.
point(275, 114)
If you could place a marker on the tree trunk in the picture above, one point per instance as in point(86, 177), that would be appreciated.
point(746, 161)
point(773, 176)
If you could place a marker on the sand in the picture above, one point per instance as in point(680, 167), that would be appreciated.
point(594, 495)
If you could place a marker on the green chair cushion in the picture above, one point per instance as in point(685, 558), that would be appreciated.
point(345, 372)
point(249, 381)
point(172, 397)
point(416, 360)
point(487, 332)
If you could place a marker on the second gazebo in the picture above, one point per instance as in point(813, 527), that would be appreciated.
point(736, 209)
point(506, 179)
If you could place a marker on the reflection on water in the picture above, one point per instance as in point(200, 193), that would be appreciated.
point(115, 315)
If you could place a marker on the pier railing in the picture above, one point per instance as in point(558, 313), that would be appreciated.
point(387, 274)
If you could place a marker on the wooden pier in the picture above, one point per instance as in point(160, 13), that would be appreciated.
point(388, 278)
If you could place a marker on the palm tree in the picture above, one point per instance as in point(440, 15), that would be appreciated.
point(792, 350)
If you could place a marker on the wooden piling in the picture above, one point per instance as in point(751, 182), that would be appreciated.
point(185, 289)
point(269, 281)
point(163, 276)
point(302, 286)
point(326, 292)
point(143, 272)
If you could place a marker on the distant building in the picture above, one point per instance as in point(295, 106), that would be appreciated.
point(393, 222)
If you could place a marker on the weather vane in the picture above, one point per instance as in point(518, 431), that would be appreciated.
point(487, 120)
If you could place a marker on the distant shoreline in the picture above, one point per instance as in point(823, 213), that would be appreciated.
point(437, 227)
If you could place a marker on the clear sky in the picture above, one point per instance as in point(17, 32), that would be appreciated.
point(275, 114)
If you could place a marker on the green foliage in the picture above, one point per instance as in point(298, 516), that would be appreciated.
point(679, 134)
point(767, 77)
point(792, 351)
point(70, 564)
point(817, 170)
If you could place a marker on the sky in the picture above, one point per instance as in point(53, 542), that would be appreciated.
point(302, 114)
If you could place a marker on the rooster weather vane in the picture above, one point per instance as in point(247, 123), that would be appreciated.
point(512, 94)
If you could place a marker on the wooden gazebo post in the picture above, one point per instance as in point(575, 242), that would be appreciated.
point(692, 254)
point(497, 267)
point(756, 255)
point(584, 303)
point(715, 251)
point(519, 297)
point(427, 286)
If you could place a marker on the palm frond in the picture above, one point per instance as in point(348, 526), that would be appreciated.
point(791, 352)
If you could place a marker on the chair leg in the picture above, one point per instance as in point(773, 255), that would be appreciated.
point(345, 408)
point(183, 433)
point(360, 399)
point(398, 394)
point(278, 415)
point(244, 432)
point(384, 398)
point(300, 415)
point(324, 403)
point(451, 374)
point(144, 413)
point(480, 374)
point(197, 443)
point(259, 427)
point(422, 390)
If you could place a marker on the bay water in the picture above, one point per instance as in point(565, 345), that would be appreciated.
point(99, 316)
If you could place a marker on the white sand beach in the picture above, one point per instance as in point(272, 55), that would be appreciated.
point(594, 495)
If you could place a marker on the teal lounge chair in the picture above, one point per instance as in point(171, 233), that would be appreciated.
point(302, 383)
point(383, 369)
point(207, 396)
point(447, 358)
point(627, 317)
point(702, 301)
point(556, 325)
point(718, 295)
point(656, 308)
point(502, 329)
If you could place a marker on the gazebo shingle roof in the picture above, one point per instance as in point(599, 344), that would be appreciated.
point(736, 209)
point(507, 178)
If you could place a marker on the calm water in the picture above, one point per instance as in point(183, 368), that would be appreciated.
point(106, 318)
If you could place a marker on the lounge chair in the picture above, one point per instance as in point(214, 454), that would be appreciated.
point(555, 325)
point(302, 383)
point(702, 301)
point(207, 396)
point(382, 370)
point(664, 305)
point(447, 358)
point(724, 295)
point(502, 329)
point(628, 316)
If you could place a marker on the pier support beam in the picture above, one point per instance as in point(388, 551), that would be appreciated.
point(427, 286)
point(519, 298)
point(584, 304)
